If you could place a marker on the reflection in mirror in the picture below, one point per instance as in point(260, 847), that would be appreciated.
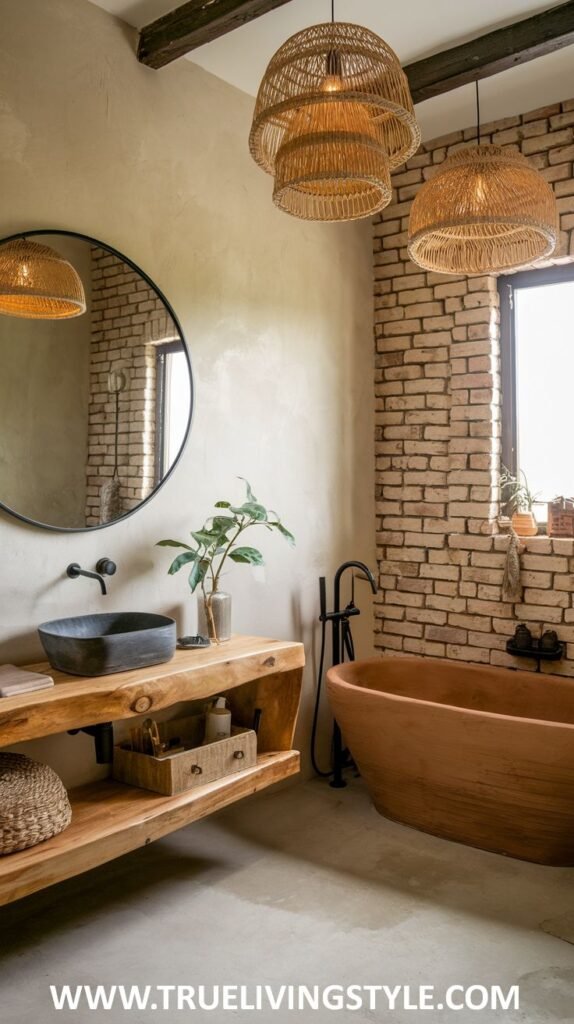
point(94, 410)
point(38, 283)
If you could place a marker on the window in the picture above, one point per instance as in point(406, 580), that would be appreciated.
point(173, 404)
point(537, 338)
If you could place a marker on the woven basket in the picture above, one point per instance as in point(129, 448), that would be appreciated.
point(486, 209)
point(34, 805)
point(334, 115)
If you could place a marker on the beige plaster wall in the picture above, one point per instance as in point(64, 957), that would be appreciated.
point(44, 385)
point(277, 314)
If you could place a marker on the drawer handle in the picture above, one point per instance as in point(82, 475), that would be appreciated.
point(196, 769)
point(239, 755)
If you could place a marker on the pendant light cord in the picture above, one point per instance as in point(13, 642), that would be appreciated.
point(477, 112)
point(332, 11)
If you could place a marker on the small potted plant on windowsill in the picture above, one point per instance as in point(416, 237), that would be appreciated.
point(519, 501)
point(214, 544)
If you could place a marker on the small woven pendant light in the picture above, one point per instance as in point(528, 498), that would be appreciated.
point(37, 283)
point(333, 117)
point(486, 209)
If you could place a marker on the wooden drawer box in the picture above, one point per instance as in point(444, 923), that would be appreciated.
point(191, 768)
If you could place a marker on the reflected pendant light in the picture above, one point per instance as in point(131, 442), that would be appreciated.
point(37, 283)
point(486, 209)
point(333, 117)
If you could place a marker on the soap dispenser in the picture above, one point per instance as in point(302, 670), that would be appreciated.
point(218, 721)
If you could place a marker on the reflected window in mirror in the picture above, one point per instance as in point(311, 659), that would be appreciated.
point(173, 398)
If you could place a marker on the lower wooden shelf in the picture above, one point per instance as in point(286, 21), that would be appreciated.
point(110, 819)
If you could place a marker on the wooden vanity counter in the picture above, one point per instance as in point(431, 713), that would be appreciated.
point(110, 818)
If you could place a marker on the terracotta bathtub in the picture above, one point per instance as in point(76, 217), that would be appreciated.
point(483, 756)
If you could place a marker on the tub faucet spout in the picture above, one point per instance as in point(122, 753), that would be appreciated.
point(364, 574)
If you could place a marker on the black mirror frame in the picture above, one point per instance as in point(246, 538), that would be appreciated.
point(170, 310)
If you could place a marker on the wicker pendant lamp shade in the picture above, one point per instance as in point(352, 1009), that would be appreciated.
point(333, 117)
point(37, 283)
point(485, 210)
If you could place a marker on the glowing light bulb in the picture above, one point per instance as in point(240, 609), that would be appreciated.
point(332, 83)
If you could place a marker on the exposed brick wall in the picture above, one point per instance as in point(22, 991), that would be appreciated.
point(127, 317)
point(438, 413)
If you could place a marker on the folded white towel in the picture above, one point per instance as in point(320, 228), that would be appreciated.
point(14, 681)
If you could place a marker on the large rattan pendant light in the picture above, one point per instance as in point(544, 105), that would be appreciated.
point(37, 283)
point(486, 209)
point(333, 117)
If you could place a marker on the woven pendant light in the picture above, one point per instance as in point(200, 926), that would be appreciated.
point(485, 210)
point(37, 283)
point(333, 117)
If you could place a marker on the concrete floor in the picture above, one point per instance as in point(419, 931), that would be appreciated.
point(301, 885)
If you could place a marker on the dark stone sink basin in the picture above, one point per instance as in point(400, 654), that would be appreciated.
point(97, 645)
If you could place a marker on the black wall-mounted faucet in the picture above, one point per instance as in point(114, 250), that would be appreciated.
point(104, 567)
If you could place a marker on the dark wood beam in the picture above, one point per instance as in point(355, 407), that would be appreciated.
point(494, 52)
point(195, 23)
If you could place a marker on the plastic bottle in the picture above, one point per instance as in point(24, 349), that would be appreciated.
point(218, 722)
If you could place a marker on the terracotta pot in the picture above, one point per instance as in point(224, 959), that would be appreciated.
point(524, 524)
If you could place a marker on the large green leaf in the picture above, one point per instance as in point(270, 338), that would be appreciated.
point(247, 556)
point(285, 533)
point(181, 560)
point(256, 511)
point(173, 544)
point(205, 537)
point(222, 504)
point(253, 510)
point(250, 495)
point(197, 574)
point(223, 524)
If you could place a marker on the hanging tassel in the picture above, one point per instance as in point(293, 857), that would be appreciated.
point(110, 492)
point(110, 500)
point(511, 586)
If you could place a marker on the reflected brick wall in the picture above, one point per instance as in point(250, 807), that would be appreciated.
point(127, 316)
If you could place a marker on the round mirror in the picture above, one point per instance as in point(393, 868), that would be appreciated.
point(95, 382)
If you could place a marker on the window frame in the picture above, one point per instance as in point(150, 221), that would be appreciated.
point(507, 286)
point(163, 349)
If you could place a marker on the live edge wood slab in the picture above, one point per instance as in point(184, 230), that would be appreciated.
point(75, 701)
point(110, 818)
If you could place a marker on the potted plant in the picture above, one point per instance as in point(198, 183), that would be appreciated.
point(519, 501)
point(214, 543)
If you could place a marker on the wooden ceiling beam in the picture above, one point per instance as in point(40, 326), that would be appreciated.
point(494, 52)
point(201, 21)
point(195, 23)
